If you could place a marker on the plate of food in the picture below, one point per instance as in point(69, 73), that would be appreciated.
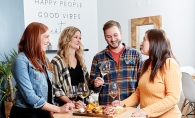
point(107, 111)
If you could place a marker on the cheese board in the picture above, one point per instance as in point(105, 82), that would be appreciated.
point(77, 113)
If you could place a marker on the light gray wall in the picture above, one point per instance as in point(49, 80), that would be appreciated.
point(11, 28)
point(11, 24)
point(177, 20)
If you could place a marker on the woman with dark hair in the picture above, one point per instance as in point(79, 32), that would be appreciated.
point(158, 90)
point(69, 67)
point(32, 73)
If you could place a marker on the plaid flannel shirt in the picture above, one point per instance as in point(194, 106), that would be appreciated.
point(62, 79)
point(125, 73)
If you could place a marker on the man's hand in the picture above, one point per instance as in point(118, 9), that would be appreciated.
point(116, 103)
point(98, 82)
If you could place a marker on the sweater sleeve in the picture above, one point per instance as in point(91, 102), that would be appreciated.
point(172, 80)
point(133, 100)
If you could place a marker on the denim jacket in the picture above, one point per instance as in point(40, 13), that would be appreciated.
point(31, 84)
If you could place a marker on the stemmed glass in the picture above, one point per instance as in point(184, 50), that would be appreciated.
point(72, 93)
point(83, 90)
point(104, 68)
point(113, 90)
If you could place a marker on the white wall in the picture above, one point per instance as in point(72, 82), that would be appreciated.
point(61, 14)
point(177, 20)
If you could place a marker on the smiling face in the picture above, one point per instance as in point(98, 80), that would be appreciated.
point(75, 41)
point(45, 40)
point(145, 45)
point(113, 37)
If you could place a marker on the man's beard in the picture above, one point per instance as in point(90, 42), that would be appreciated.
point(116, 46)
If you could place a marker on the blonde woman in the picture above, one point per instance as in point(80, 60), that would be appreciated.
point(68, 65)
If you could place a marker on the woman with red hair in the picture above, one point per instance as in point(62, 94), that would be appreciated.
point(32, 73)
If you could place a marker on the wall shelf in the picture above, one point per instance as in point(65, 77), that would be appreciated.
point(55, 51)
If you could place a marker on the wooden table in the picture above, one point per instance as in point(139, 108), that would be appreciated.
point(126, 114)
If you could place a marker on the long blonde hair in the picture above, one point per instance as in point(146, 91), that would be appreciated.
point(63, 45)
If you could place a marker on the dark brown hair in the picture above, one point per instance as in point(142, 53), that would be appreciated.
point(30, 44)
point(159, 51)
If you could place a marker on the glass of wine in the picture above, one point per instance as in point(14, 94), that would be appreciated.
point(105, 68)
point(113, 90)
point(72, 92)
point(83, 90)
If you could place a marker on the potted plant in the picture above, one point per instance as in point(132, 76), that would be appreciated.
point(6, 87)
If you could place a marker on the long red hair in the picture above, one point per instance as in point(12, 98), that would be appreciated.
point(30, 44)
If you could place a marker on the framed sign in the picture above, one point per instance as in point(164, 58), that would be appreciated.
point(59, 14)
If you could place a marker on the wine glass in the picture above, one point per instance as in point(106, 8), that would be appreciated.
point(104, 68)
point(83, 90)
point(113, 90)
point(72, 92)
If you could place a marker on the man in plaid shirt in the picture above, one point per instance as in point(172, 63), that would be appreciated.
point(124, 65)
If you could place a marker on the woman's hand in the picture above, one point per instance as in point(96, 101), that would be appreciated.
point(139, 113)
point(79, 104)
point(98, 82)
point(116, 103)
point(67, 107)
